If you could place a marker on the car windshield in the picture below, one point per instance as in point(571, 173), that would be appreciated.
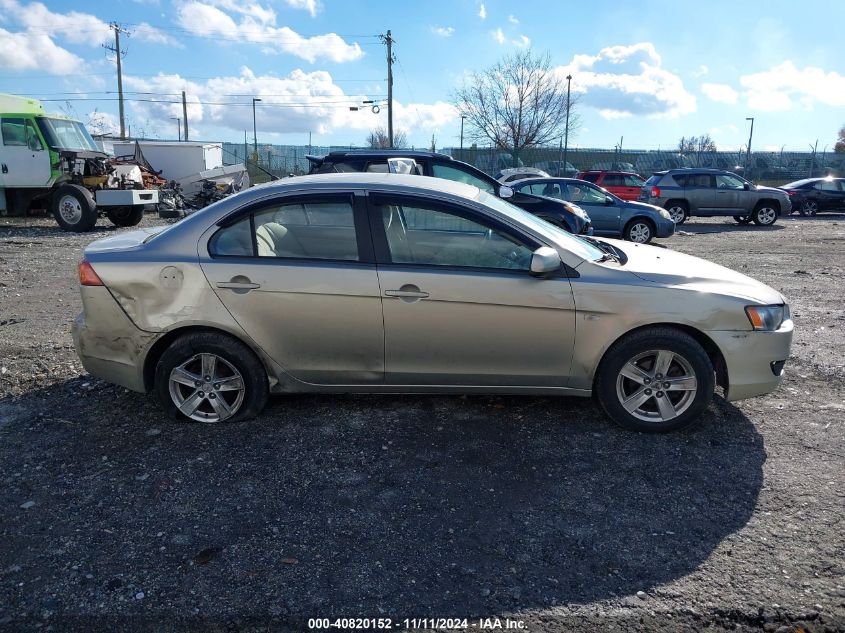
point(66, 134)
point(572, 243)
point(797, 183)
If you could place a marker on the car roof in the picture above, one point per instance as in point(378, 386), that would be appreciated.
point(365, 178)
point(399, 153)
point(620, 172)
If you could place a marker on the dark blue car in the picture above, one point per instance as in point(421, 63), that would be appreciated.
point(611, 216)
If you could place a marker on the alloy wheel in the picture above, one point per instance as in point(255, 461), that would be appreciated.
point(677, 213)
point(809, 207)
point(207, 388)
point(656, 386)
point(639, 233)
point(766, 216)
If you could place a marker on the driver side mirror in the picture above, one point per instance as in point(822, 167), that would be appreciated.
point(544, 261)
point(608, 201)
point(505, 192)
point(746, 186)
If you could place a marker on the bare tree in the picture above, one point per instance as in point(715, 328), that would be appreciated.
point(839, 148)
point(696, 144)
point(517, 103)
point(377, 139)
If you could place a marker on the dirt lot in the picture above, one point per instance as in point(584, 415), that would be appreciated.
point(537, 509)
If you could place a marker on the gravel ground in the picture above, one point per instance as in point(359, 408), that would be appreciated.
point(533, 509)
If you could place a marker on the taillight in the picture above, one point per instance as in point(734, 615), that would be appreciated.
point(87, 276)
point(655, 192)
point(791, 193)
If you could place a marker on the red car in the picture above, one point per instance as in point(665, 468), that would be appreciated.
point(624, 184)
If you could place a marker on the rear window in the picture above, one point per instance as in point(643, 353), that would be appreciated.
point(653, 180)
point(681, 179)
point(613, 180)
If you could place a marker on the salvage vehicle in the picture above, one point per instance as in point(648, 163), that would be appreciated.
point(713, 192)
point(612, 216)
point(567, 216)
point(387, 283)
point(51, 160)
point(812, 195)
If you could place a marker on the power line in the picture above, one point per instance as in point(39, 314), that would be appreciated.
point(311, 104)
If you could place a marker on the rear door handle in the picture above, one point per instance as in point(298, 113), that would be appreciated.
point(416, 294)
point(237, 285)
point(5, 168)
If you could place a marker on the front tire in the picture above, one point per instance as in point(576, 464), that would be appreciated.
point(655, 380)
point(765, 214)
point(211, 377)
point(126, 216)
point(639, 231)
point(678, 211)
point(74, 208)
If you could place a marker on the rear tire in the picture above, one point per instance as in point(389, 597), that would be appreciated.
point(212, 377)
point(655, 380)
point(639, 231)
point(74, 209)
point(678, 211)
point(765, 214)
point(126, 216)
point(809, 207)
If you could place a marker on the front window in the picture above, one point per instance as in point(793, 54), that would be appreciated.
point(459, 175)
point(727, 181)
point(66, 134)
point(586, 193)
point(19, 132)
point(422, 235)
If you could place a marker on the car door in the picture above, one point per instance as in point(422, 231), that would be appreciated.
point(604, 212)
point(829, 194)
point(700, 192)
point(26, 162)
point(298, 275)
point(731, 195)
point(460, 306)
point(632, 186)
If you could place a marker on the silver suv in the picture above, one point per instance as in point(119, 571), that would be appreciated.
point(709, 192)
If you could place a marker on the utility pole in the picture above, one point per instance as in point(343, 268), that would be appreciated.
point(185, 114)
point(254, 130)
point(246, 151)
point(179, 124)
point(566, 129)
point(748, 148)
point(462, 136)
point(388, 40)
point(114, 26)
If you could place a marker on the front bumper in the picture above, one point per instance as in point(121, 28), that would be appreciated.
point(664, 228)
point(752, 359)
point(108, 343)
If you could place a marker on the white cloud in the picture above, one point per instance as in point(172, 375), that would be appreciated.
point(722, 93)
point(298, 102)
point(628, 80)
point(257, 26)
point(74, 26)
point(513, 19)
point(312, 6)
point(35, 51)
point(442, 31)
point(498, 36)
point(776, 88)
point(700, 71)
point(521, 42)
point(482, 11)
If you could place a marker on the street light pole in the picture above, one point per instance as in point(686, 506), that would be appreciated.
point(566, 129)
point(748, 148)
point(179, 124)
point(254, 130)
point(462, 136)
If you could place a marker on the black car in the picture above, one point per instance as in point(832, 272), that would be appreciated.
point(558, 212)
point(811, 195)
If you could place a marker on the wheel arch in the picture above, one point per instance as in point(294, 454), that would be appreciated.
point(162, 343)
point(640, 218)
point(709, 346)
point(772, 201)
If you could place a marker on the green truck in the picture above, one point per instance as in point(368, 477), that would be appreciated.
point(51, 162)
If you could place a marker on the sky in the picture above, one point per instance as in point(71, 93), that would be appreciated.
point(647, 73)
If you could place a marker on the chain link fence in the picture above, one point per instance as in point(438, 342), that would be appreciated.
point(766, 167)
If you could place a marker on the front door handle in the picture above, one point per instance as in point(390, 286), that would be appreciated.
point(5, 168)
point(407, 292)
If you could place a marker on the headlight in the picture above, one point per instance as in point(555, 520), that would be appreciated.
point(767, 318)
point(665, 214)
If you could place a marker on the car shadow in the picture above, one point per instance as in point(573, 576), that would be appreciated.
point(390, 506)
point(729, 226)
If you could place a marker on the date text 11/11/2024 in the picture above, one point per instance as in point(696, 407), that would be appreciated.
point(458, 624)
